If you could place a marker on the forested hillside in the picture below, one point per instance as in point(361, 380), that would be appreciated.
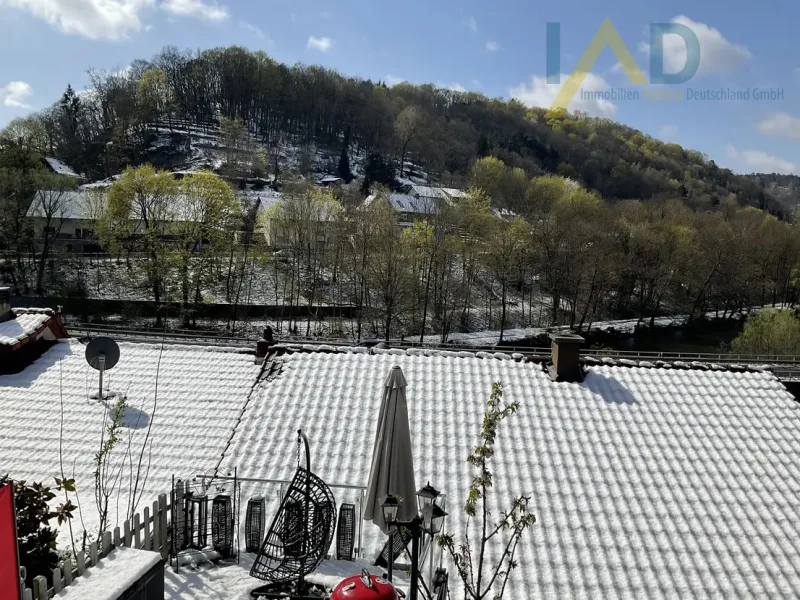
point(110, 126)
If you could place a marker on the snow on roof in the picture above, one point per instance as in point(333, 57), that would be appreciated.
point(425, 191)
point(406, 203)
point(112, 576)
point(25, 323)
point(59, 167)
point(645, 482)
point(70, 206)
point(200, 393)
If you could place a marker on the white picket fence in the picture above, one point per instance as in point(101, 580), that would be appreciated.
point(147, 531)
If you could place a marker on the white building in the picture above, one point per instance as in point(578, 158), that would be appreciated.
point(420, 202)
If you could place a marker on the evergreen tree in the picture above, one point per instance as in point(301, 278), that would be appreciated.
point(344, 159)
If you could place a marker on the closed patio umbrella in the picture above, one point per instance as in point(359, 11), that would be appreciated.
point(392, 470)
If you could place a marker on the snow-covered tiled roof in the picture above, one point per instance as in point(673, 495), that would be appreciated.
point(59, 167)
point(406, 204)
point(200, 394)
point(25, 323)
point(425, 191)
point(70, 206)
point(646, 483)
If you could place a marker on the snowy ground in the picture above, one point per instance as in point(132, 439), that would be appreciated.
point(227, 580)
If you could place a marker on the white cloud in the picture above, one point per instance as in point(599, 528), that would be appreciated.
point(476, 83)
point(761, 162)
point(668, 133)
point(254, 29)
point(453, 87)
point(112, 19)
point(94, 19)
point(492, 46)
point(323, 44)
point(781, 125)
point(717, 54)
point(542, 94)
point(208, 10)
point(16, 94)
point(472, 24)
point(392, 80)
point(326, 15)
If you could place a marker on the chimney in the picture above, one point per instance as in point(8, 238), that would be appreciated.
point(566, 352)
point(5, 301)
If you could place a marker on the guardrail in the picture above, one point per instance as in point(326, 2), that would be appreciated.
point(191, 336)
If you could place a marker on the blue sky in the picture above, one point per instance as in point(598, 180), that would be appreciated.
point(495, 48)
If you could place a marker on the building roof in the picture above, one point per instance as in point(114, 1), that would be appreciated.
point(24, 323)
point(71, 206)
point(437, 192)
point(646, 482)
point(59, 167)
point(201, 391)
point(406, 203)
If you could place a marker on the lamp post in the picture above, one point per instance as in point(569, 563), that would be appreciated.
point(428, 521)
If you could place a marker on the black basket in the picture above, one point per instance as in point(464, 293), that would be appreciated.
point(255, 521)
point(346, 532)
point(222, 525)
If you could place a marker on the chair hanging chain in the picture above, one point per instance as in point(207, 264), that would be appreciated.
point(299, 441)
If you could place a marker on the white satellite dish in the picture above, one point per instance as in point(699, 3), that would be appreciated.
point(102, 354)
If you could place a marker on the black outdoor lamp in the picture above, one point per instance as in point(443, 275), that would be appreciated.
point(433, 518)
point(429, 521)
point(390, 506)
point(427, 496)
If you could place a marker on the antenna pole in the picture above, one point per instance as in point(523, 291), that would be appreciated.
point(102, 362)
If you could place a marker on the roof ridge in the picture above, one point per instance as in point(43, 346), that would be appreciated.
point(587, 360)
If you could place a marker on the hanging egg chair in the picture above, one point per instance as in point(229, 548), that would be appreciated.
point(301, 532)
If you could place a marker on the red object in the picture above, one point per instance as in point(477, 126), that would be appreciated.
point(365, 587)
point(9, 564)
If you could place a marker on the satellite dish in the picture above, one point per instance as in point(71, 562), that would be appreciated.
point(102, 346)
point(102, 354)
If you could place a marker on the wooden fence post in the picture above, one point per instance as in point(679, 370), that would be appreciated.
point(56, 580)
point(127, 527)
point(162, 523)
point(116, 537)
point(93, 553)
point(137, 534)
point(40, 587)
point(81, 559)
point(146, 518)
point(67, 571)
point(106, 543)
point(156, 528)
